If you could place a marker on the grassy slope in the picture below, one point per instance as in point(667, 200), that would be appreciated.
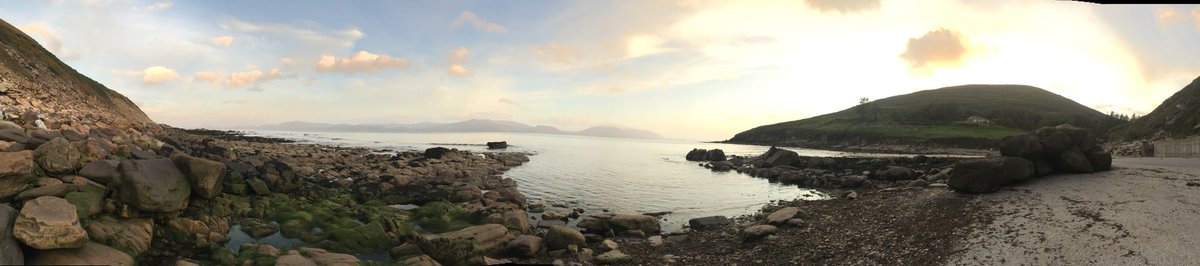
point(1176, 117)
point(936, 117)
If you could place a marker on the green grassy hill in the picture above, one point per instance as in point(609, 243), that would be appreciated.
point(1176, 117)
point(935, 118)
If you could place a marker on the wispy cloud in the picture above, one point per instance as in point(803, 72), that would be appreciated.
point(362, 61)
point(158, 74)
point(468, 18)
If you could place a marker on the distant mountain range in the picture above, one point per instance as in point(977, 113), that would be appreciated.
point(473, 125)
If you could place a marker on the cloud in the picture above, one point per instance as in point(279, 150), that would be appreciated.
point(48, 38)
point(477, 22)
point(213, 77)
point(643, 45)
point(843, 6)
point(1196, 17)
point(937, 47)
point(324, 39)
point(158, 74)
point(238, 79)
point(160, 6)
point(557, 53)
point(508, 101)
point(225, 40)
point(457, 59)
point(362, 61)
point(1166, 14)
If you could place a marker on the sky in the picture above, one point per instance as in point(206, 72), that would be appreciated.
point(702, 70)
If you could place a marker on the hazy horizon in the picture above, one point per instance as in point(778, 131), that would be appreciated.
point(683, 69)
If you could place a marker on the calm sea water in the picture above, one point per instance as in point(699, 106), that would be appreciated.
point(614, 174)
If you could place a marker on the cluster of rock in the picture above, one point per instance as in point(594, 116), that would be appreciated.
point(1049, 150)
point(1136, 148)
point(714, 155)
point(789, 167)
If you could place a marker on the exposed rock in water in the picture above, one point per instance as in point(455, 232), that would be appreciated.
point(644, 223)
point(497, 145)
point(436, 152)
point(525, 245)
point(468, 245)
point(714, 155)
point(696, 155)
point(780, 157)
point(559, 237)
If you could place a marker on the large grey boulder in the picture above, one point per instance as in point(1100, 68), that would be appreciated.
point(696, 155)
point(49, 223)
point(780, 157)
point(10, 251)
point(714, 155)
point(989, 174)
point(204, 175)
point(16, 173)
point(153, 185)
point(1073, 161)
point(1024, 146)
point(101, 171)
point(57, 156)
point(645, 223)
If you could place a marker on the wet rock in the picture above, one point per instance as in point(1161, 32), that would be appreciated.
point(257, 228)
point(782, 215)
point(550, 223)
point(989, 174)
point(776, 157)
point(497, 145)
point(469, 244)
point(613, 257)
point(696, 155)
point(205, 176)
point(645, 223)
point(10, 251)
point(131, 236)
point(517, 220)
point(57, 157)
point(704, 223)
point(58, 190)
point(714, 155)
point(153, 185)
point(90, 253)
point(559, 237)
point(525, 245)
point(436, 152)
point(756, 232)
point(101, 171)
point(49, 223)
point(554, 215)
point(16, 173)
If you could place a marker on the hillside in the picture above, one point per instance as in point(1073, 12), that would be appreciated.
point(1177, 117)
point(473, 125)
point(934, 118)
point(33, 79)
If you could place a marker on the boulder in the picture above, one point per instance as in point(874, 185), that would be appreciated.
point(14, 134)
point(466, 245)
point(1073, 161)
point(592, 224)
point(131, 236)
point(525, 245)
point(555, 215)
point(497, 145)
point(10, 251)
point(756, 232)
point(711, 222)
point(696, 155)
point(16, 173)
point(896, 173)
point(57, 190)
point(989, 174)
point(780, 157)
point(90, 253)
point(1054, 141)
point(559, 237)
point(49, 223)
point(550, 223)
point(436, 152)
point(102, 171)
point(517, 220)
point(258, 186)
point(645, 223)
point(294, 258)
point(1100, 160)
point(143, 154)
point(153, 185)
point(205, 175)
point(721, 166)
point(613, 257)
point(57, 157)
point(714, 155)
point(323, 257)
point(781, 216)
point(87, 202)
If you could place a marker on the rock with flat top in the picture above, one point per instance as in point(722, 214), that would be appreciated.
point(49, 223)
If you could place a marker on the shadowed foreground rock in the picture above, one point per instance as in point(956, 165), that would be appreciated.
point(1061, 149)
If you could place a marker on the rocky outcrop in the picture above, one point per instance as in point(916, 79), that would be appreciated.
point(436, 152)
point(497, 145)
point(464, 246)
point(16, 173)
point(990, 174)
point(153, 185)
point(775, 157)
point(696, 155)
point(49, 223)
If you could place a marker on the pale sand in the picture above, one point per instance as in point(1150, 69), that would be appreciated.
point(1142, 212)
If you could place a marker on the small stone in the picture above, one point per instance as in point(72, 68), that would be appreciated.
point(613, 257)
point(608, 244)
point(782, 215)
point(655, 241)
point(850, 195)
point(795, 222)
point(756, 232)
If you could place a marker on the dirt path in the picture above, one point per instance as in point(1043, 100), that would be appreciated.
point(1142, 212)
